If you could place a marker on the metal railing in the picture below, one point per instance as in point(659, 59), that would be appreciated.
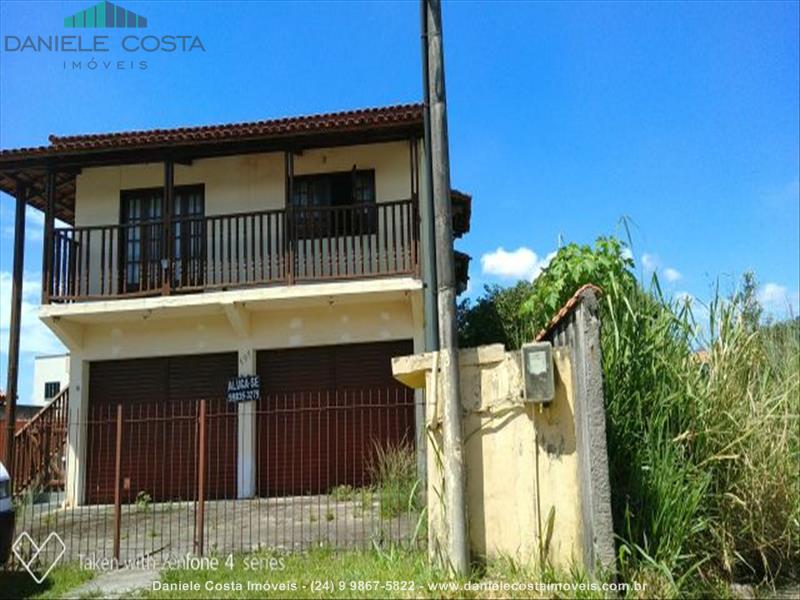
point(191, 254)
point(162, 479)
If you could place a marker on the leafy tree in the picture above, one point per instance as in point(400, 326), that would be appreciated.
point(514, 315)
point(495, 317)
point(747, 298)
point(574, 265)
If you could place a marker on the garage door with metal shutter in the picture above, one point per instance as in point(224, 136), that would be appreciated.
point(159, 399)
point(323, 412)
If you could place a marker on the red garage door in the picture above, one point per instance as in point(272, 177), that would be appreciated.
point(159, 398)
point(323, 412)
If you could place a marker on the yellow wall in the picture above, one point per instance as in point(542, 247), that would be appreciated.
point(241, 183)
point(282, 328)
point(521, 465)
point(201, 330)
point(250, 183)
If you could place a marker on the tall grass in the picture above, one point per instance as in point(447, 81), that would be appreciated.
point(393, 468)
point(703, 447)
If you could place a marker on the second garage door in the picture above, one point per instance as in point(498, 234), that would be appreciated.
point(324, 410)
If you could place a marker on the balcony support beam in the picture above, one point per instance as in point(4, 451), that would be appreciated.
point(289, 228)
point(69, 333)
point(14, 327)
point(49, 225)
point(169, 195)
point(238, 317)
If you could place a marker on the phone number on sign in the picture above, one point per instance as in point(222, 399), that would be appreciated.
point(328, 585)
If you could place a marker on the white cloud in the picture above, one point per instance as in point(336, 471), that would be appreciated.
point(35, 337)
point(627, 254)
point(34, 224)
point(522, 263)
point(776, 299)
point(698, 308)
point(650, 262)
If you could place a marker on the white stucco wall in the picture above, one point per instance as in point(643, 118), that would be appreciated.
point(47, 369)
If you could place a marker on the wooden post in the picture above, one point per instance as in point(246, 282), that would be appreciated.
point(201, 481)
point(14, 327)
point(453, 460)
point(118, 484)
point(427, 233)
point(49, 226)
point(289, 227)
point(168, 250)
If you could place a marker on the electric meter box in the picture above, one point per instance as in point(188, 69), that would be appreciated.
point(537, 370)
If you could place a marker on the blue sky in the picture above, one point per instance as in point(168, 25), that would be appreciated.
point(564, 117)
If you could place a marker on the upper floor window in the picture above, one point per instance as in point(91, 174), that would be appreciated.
point(341, 203)
point(51, 389)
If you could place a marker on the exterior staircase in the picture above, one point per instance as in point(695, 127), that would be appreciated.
point(40, 448)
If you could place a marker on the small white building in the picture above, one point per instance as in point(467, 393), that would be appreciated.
point(50, 376)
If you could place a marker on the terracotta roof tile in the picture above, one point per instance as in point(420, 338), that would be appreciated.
point(405, 113)
point(569, 305)
point(365, 118)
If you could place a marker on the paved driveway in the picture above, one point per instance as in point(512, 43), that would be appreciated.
point(158, 530)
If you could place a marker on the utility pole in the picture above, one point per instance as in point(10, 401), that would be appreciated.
point(453, 462)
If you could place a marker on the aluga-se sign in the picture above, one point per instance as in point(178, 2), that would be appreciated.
point(245, 388)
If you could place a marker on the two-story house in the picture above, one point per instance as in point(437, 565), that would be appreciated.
point(176, 259)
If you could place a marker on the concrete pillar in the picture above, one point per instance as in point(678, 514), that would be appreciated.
point(420, 437)
point(246, 466)
point(75, 484)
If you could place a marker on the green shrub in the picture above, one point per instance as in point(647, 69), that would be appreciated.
point(343, 492)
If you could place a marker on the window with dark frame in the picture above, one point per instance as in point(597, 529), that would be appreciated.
point(51, 389)
point(335, 204)
point(142, 212)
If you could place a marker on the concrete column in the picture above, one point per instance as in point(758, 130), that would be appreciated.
point(420, 437)
point(75, 484)
point(246, 467)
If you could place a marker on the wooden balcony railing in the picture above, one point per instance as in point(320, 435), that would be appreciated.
point(217, 252)
point(40, 447)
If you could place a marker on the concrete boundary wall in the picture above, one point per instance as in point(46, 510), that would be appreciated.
point(577, 329)
point(537, 480)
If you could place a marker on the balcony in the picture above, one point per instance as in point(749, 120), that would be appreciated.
point(219, 252)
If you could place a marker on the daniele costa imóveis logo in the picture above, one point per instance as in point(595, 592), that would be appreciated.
point(127, 42)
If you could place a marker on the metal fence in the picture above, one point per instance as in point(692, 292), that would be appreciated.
point(333, 468)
